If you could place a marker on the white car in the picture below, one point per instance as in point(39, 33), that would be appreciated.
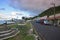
point(47, 22)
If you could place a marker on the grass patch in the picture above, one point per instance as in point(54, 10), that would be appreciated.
point(13, 26)
point(30, 37)
point(28, 25)
point(23, 35)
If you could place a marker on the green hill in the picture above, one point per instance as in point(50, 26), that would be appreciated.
point(50, 11)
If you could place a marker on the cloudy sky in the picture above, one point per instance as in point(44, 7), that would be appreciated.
point(14, 8)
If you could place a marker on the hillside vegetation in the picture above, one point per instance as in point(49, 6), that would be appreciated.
point(50, 11)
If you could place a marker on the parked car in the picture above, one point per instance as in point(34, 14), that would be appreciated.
point(47, 22)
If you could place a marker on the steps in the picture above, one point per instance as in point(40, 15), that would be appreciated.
point(8, 33)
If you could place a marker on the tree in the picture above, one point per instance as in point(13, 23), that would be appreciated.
point(23, 17)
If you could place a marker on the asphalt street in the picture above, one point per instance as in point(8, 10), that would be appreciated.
point(47, 32)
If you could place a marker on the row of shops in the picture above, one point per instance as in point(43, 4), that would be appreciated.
point(52, 19)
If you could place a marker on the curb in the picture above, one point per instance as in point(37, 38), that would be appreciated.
point(5, 31)
point(40, 37)
point(10, 36)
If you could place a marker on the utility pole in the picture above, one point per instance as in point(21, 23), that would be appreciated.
point(54, 13)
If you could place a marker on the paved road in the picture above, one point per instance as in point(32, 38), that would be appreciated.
point(47, 32)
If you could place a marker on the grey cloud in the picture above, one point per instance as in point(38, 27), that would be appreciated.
point(2, 8)
point(33, 5)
